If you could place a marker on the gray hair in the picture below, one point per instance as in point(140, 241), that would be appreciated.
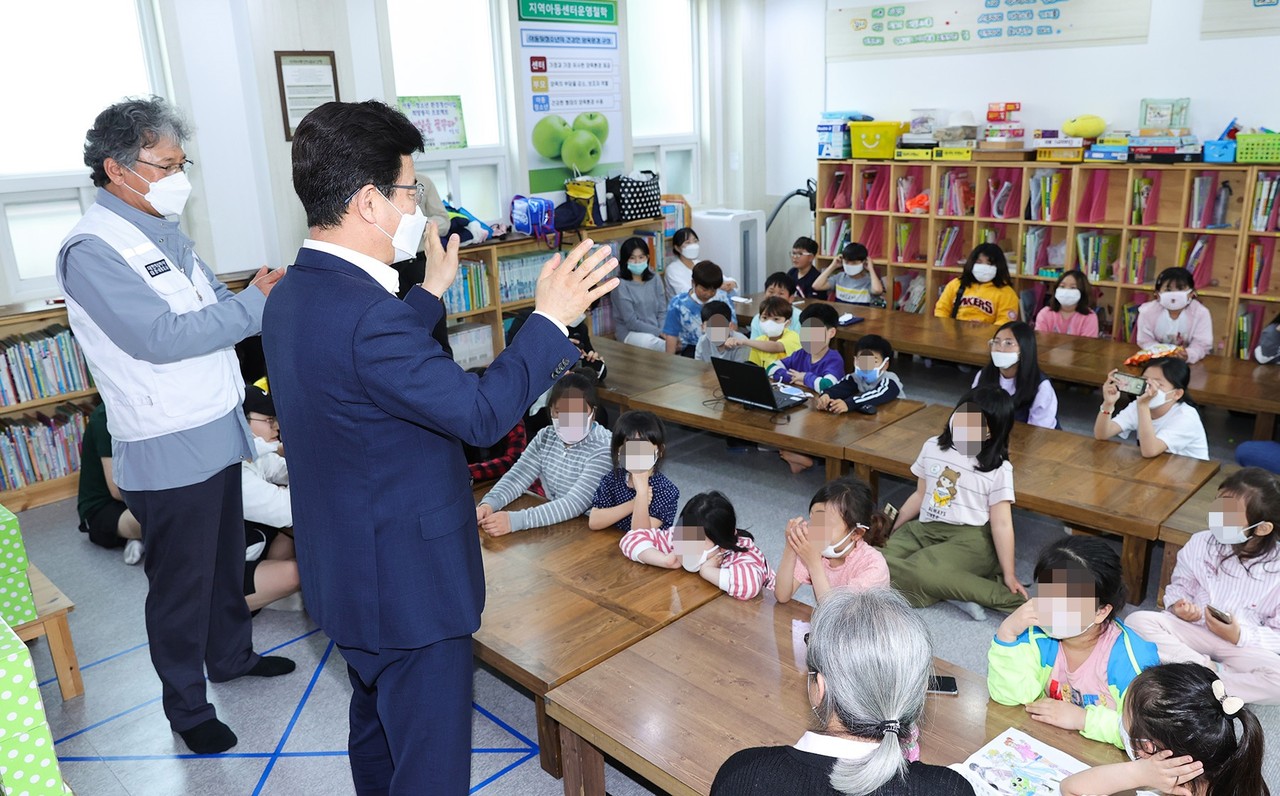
point(874, 654)
point(123, 129)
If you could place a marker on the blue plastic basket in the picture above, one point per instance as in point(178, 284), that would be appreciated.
point(1220, 151)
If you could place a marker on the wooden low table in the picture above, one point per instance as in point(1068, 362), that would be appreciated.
point(697, 403)
point(730, 676)
point(633, 370)
point(1097, 485)
point(1191, 517)
point(52, 607)
point(564, 598)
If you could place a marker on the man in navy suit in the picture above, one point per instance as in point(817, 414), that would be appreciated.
point(374, 413)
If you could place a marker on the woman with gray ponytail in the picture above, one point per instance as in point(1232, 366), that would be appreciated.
point(869, 662)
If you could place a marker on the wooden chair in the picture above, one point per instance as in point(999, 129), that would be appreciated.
point(52, 607)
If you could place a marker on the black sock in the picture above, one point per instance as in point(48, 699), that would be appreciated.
point(271, 666)
point(209, 737)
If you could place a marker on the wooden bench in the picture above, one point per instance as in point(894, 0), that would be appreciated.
point(52, 607)
point(1099, 486)
point(562, 599)
point(730, 676)
point(1227, 382)
point(1191, 517)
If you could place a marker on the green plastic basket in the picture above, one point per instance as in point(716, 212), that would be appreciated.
point(1258, 148)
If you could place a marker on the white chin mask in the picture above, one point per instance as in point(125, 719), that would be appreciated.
point(691, 250)
point(1067, 297)
point(1128, 742)
point(1228, 534)
point(853, 269)
point(984, 272)
point(842, 548)
point(409, 232)
point(169, 195)
point(1004, 359)
point(1158, 400)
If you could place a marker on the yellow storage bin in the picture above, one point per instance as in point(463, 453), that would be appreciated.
point(875, 139)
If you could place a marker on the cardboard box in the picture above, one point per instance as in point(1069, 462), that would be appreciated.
point(1011, 144)
point(1108, 155)
point(833, 140)
point(28, 761)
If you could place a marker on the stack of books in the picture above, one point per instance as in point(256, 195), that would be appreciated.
point(1257, 268)
point(41, 447)
point(949, 250)
point(835, 234)
point(472, 344)
point(42, 364)
point(1139, 265)
point(957, 193)
point(1096, 254)
point(470, 291)
point(1262, 215)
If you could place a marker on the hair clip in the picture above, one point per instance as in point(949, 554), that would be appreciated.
point(886, 727)
point(1230, 705)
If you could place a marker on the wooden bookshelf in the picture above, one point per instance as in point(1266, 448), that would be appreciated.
point(1093, 197)
point(35, 315)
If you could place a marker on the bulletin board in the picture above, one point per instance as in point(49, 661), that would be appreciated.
point(934, 27)
point(1222, 19)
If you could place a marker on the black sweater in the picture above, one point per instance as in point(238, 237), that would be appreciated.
point(785, 770)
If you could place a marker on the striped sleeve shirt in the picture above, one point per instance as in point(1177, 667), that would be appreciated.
point(569, 475)
point(1202, 577)
point(742, 574)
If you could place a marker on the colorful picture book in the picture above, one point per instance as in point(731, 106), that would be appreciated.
point(956, 193)
point(470, 291)
point(42, 364)
point(39, 447)
point(1097, 253)
point(1263, 208)
point(1015, 764)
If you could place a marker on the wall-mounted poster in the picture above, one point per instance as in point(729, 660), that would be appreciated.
point(307, 80)
point(572, 65)
point(1223, 19)
point(932, 27)
point(439, 119)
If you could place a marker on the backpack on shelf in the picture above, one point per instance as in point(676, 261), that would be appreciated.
point(535, 216)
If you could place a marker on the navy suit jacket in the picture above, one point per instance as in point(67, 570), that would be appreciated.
point(373, 414)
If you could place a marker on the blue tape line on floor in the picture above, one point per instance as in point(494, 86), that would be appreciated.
point(134, 648)
point(493, 778)
point(532, 745)
point(315, 677)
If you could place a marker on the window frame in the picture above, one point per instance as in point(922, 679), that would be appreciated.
point(75, 184)
point(661, 145)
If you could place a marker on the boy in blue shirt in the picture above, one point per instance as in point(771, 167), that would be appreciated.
point(871, 384)
point(683, 326)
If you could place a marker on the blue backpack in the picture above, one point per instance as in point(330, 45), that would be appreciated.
point(535, 216)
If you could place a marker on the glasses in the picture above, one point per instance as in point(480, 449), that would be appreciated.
point(419, 191)
point(271, 421)
point(1007, 345)
point(799, 253)
point(169, 170)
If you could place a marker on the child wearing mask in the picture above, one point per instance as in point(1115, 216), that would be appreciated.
point(683, 324)
point(1176, 317)
point(1070, 309)
point(784, 287)
point(706, 540)
point(1065, 654)
point(836, 548)
point(1015, 369)
point(802, 272)
point(815, 366)
point(851, 278)
point(569, 457)
point(1186, 734)
point(634, 493)
point(775, 340)
point(983, 292)
point(869, 386)
point(1164, 415)
point(718, 329)
point(639, 302)
point(1223, 602)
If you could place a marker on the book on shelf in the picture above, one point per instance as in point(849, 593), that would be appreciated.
point(948, 250)
point(838, 191)
point(1200, 209)
point(908, 291)
point(1046, 188)
point(42, 364)
point(518, 276)
point(907, 189)
point(470, 290)
point(1140, 265)
point(835, 234)
point(1197, 257)
point(1096, 254)
point(1129, 318)
point(1249, 323)
point(1144, 201)
point(957, 193)
point(602, 317)
point(999, 192)
point(472, 344)
point(907, 240)
point(40, 447)
point(1035, 250)
point(874, 192)
point(1263, 209)
point(1257, 267)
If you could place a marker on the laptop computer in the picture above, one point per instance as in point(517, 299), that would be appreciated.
point(749, 384)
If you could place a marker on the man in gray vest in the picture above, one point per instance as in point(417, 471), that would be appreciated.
point(158, 330)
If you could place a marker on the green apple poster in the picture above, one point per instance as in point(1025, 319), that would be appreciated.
point(572, 66)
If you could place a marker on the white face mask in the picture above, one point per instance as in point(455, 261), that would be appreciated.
point(1004, 359)
point(1067, 296)
point(842, 548)
point(772, 328)
point(693, 561)
point(1128, 742)
point(639, 463)
point(169, 195)
point(572, 428)
point(853, 269)
point(691, 251)
point(1159, 400)
point(409, 231)
point(984, 272)
point(1063, 622)
point(1228, 534)
point(1174, 300)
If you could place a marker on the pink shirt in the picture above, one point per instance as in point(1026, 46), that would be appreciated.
point(864, 568)
point(1087, 685)
point(1077, 323)
point(1193, 330)
point(1208, 574)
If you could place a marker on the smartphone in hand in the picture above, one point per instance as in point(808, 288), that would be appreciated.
point(1128, 383)
point(1221, 616)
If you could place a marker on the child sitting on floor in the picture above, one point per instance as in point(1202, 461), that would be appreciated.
point(634, 493)
point(815, 366)
point(775, 340)
point(718, 329)
point(569, 457)
point(1065, 654)
point(1185, 734)
point(706, 540)
point(870, 385)
point(836, 548)
point(1223, 603)
point(784, 287)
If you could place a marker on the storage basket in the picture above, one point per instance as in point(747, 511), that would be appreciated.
point(1258, 148)
point(875, 139)
point(1220, 151)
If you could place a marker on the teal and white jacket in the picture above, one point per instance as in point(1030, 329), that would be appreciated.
point(1020, 673)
